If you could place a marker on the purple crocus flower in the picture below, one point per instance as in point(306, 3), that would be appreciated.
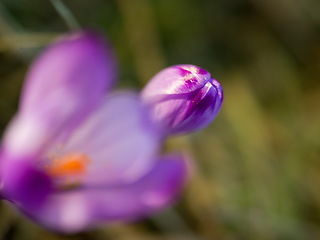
point(74, 156)
point(184, 98)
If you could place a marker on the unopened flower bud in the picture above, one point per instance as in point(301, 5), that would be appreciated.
point(183, 98)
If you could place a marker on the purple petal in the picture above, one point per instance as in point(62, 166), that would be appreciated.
point(66, 212)
point(73, 211)
point(119, 138)
point(64, 84)
point(183, 98)
point(176, 79)
point(199, 112)
point(24, 185)
point(150, 194)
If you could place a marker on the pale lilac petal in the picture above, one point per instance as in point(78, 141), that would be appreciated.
point(119, 138)
point(66, 212)
point(71, 76)
point(73, 211)
point(151, 193)
point(64, 84)
point(26, 136)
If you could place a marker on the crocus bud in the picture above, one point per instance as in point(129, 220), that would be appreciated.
point(183, 98)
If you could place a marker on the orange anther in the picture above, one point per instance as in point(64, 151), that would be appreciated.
point(70, 164)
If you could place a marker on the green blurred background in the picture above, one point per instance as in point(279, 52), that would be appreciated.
point(257, 167)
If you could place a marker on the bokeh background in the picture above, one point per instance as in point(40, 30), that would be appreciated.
point(257, 166)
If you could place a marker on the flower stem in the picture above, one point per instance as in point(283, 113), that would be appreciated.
point(65, 14)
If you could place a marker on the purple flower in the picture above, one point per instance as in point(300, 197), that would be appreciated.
point(183, 98)
point(73, 156)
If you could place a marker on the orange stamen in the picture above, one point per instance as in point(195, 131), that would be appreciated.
point(70, 164)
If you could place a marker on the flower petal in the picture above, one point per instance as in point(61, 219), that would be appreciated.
point(67, 212)
point(63, 86)
point(200, 112)
point(151, 193)
point(119, 138)
point(176, 79)
point(183, 98)
point(24, 185)
point(72, 211)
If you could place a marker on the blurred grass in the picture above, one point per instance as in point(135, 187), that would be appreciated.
point(257, 168)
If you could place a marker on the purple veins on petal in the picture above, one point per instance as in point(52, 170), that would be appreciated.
point(201, 71)
point(184, 72)
point(183, 98)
